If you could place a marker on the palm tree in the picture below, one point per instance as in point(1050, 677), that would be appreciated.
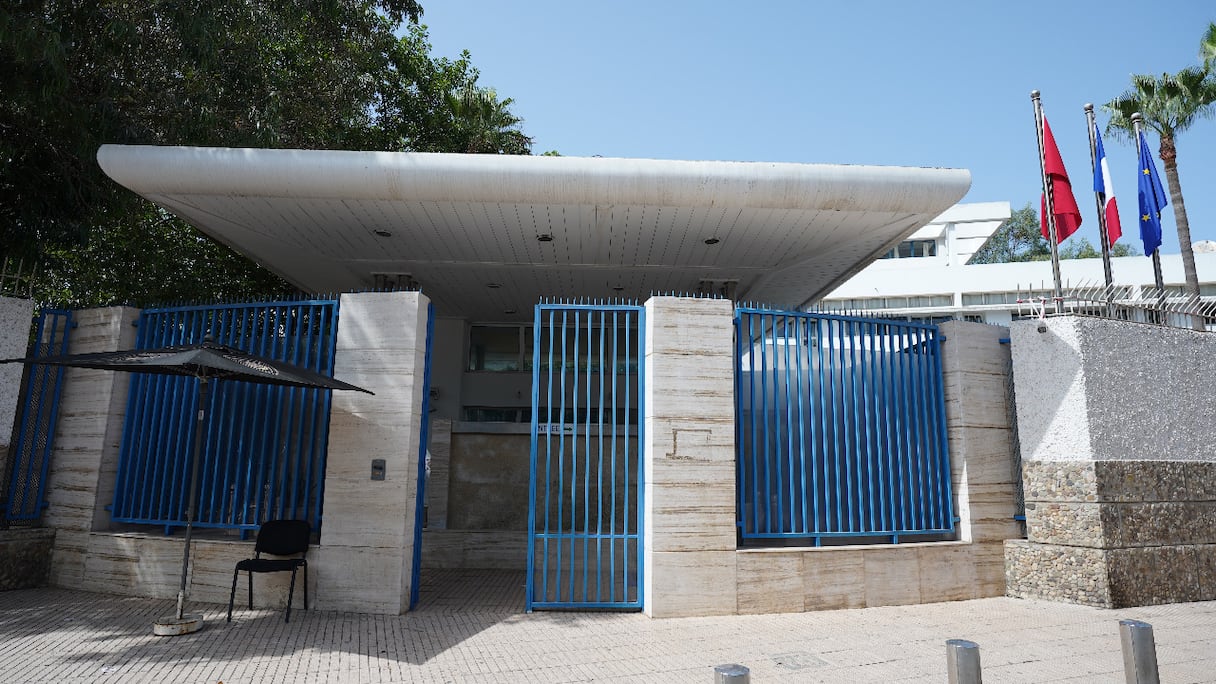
point(484, 124)
point(1169, 105)
point(1207, 47)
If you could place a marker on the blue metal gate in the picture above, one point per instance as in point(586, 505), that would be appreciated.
point(841, 428)
point(585, 499)
point(263, 452)
point(31, 455)
point(423, 472)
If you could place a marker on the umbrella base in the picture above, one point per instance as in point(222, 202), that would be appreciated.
point(176, 626)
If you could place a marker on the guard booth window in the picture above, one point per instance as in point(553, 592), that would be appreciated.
point(499, 348)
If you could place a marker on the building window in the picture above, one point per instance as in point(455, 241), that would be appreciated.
point(909, 249)
point(497, 348)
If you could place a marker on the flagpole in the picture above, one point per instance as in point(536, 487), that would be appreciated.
point(1136, 119)
point(1099, 197)
point(1050, 202)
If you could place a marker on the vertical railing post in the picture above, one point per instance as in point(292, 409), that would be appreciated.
point(1139, 652)
point(963, 662)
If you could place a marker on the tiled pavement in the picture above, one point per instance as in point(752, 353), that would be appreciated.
point(472, 629)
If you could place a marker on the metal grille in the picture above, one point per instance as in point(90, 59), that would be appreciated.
point(841, 428)
point(585, 503)
point(263, 447)
point(31, 456)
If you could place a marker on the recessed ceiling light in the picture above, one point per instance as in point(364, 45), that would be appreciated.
point(493, 286)
point(508, 311)
point(618, 288)
point(544, 237)
point(711, 241)
point(382, 233)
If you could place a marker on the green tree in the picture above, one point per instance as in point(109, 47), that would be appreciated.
point(340, 74)
point(1021, 239)
point(1018, 239)
point(1169, 105)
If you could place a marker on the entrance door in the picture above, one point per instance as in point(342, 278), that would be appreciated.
point(585, 499)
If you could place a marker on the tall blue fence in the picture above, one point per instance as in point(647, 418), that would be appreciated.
point(841, 428)
point(585, 499)
point(31, 454)
point(263, 446)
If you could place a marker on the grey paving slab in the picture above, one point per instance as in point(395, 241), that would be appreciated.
point(55, 635)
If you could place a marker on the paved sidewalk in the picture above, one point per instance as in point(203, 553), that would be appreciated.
point(54, 635)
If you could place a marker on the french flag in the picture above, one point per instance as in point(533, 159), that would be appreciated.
point(1105, 190)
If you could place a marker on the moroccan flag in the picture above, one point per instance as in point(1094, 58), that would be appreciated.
point(1152, 200)
point(1064, 205)
point(1106, 191)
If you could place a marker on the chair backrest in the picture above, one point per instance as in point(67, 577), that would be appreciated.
point(283, 537)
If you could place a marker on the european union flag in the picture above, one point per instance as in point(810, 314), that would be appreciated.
point(1152, 200)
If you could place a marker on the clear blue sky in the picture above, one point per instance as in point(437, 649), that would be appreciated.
point(901, 83)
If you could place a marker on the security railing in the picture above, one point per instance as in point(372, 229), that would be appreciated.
point(840, 428)
point(264, 446)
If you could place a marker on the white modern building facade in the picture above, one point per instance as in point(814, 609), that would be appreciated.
point(928, 277)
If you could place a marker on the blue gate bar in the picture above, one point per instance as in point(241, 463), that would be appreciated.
point(263, 447)
point(584, 516)
point(31, 451)
point(840, 428)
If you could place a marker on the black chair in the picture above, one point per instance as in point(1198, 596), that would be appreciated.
point(277, 538)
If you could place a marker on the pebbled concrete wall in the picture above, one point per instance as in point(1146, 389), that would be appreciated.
point(1097, 389)
point(1119, 468)
point(15, 318)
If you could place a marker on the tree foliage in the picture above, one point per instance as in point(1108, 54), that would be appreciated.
point(1021, 239)
point(334, 74)
point(1169, 105)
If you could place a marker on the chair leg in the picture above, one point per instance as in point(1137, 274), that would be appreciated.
point(232, 595)
point(291, 590)
point(251, 591)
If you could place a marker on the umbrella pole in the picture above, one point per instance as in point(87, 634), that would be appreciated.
point(193, 496)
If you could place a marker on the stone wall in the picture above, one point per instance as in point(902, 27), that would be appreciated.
point(693, 565)
point(15, 319)
point(363, 560)
point(25, 558)
point(1119, 469)
point(1117, 533)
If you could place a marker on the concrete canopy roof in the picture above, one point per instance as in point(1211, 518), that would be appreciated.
point(486, 236)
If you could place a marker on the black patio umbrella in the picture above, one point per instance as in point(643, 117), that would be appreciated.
point(207, 361)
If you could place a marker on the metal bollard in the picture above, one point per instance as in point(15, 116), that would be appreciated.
point(732, 674)
point(1139, 652)
point(963, 662)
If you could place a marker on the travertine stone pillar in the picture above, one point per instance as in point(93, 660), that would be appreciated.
point(84, 461)
point(983, 473)
point(689, 529)
point(363, 562)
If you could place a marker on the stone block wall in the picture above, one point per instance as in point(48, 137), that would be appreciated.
point(25, 558)
point(1117, 533)
point(1119, 470)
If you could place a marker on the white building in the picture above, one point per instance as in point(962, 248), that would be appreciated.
point(927, 276)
